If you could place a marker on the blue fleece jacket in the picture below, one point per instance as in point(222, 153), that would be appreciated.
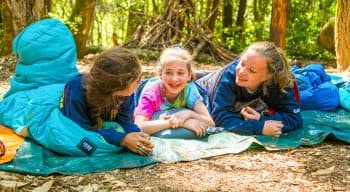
point(75, 107)
point(224, 93)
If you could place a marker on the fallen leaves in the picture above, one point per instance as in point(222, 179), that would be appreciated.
point(324, 167)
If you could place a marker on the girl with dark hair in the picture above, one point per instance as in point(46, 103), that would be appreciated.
point(102, 100)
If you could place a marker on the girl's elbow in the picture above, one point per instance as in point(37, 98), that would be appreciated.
point(141, 125)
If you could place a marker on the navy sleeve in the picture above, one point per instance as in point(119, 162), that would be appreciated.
point(124, 118)
point(74, 103)
point(111, 136)
point(125, 115)
point(223, 103)
point(287, 110)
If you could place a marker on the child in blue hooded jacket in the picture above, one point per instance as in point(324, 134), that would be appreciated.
point(261, 74)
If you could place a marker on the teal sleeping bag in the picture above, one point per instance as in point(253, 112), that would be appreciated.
point(46, 55)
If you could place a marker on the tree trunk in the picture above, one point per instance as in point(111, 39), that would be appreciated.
point(227, 20)
point(155, 7)
point(326, 36)
point(342, 38)
point(20, 14)
point(208, 8)
point(133, 22)
point(279, 22)
point(134, 19)
point(82, 16)
point(1, 15)
point(240, 19)
point(213, 14)
point(259, 12)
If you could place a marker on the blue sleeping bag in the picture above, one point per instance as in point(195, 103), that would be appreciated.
point(46, 55)
point(317, 92)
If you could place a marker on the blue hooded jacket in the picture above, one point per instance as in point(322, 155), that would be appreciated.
point(224, 93)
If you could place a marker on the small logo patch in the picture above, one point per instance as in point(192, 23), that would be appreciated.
point(86, 146)
point(2, 149)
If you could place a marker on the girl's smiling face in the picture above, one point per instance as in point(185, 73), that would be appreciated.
point(252, 71)
point(175, 74)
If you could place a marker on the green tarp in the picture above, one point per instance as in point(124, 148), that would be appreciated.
point(34, 159)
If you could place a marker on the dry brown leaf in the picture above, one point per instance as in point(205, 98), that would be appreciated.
point(6, 184)
point(83, 179)
point(88, 188)
point(45, 187)
point(118, 184)
point(339, 189)
point(303, 181)
point(327, 171)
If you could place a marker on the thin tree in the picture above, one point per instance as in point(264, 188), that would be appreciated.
point(279, 22)
point(20, 14)
point(227, 19)
point(259, 12)
point(82, 16)
point(342, 38)
point(213, 13)
point(240, 19)
point(134, 20)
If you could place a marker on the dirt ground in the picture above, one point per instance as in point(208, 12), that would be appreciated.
point(323, 167)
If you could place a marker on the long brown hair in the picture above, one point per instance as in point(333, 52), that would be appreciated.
point(277, 64)
point(114, 70)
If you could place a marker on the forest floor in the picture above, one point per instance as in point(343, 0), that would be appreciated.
point(322, 167)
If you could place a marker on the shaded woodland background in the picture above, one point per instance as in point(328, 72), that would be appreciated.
point(215, 29)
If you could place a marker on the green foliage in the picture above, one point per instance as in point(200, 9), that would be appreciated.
point(236, 42)
point(305, 19)
point(62, 10)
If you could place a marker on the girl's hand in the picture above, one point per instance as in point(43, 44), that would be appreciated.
point(249, 113)
point(178, 119)
point(183, 115)
point(173, 121)
point(198, 127)
point(138, 142)
point(273, 128)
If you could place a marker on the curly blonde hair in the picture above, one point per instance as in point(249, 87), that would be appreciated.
point(277, 64)
point(114, 70)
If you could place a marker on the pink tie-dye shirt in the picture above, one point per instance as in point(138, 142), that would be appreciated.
point(152, 98)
